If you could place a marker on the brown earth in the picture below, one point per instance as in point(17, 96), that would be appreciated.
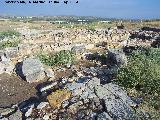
point(13, 90)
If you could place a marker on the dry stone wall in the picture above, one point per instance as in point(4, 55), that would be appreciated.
point(56, 40)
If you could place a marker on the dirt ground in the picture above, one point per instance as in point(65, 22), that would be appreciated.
point(13, 90)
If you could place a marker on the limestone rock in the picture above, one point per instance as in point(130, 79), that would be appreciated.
point(6, 67)
point(84, 114)
point(87, 93)
point(16, 116)
point(120, 93)
point(33, 70)
point(9, 67)
point(3, 57)
point(2, 68)
point(65, 104)
point(42, 105)
point(95, 104)
point(117, 56)
point(57, 98)
point(75, 106)
point(11, 52)
point(114, 102)
point(93, 82)
point(49, 73)
point(76, 88)
point(119, 109)
point(78, 48)
point(29, 111)
point(48, 86)
point(104, 116)
point(46, 117)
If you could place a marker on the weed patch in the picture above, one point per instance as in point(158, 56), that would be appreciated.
point(9, 43)
point(143, 74)
point(9, 34)
point(59, 58)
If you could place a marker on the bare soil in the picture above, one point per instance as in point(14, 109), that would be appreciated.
point(14, 90)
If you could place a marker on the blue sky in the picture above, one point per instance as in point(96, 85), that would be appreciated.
point(134, 9)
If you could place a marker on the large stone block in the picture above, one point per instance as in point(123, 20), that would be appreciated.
point(117, 56)
point(32, 69)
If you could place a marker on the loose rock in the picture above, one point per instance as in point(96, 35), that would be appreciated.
point(33, 70)
point(104, 116)
point(56, 98)
point(42, 105)
point(117, 56)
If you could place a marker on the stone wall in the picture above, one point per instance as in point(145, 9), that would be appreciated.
point(55, 40)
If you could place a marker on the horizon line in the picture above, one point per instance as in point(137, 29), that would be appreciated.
point(100, 17)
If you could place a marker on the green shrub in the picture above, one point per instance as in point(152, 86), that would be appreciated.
point(142, 71)
point(64, 57)
point(47, 59)
point(143, 74)
point(9, 43)
point(59, 58)
point(9, 34)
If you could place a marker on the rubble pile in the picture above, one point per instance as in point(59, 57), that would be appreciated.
point(87, 93)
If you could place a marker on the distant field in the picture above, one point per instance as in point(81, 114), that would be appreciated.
point(45, 25)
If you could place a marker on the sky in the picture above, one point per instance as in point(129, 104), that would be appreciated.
point(126, 9)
